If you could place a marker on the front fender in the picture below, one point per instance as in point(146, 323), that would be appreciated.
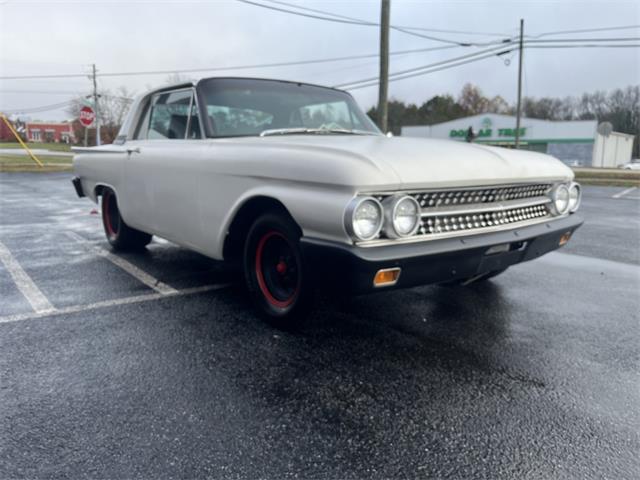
point(318, 210)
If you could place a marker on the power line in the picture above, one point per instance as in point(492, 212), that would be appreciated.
point(459, 61)
point(48, 76)
point(404, 29)
point(43, 108)
point(219, 69)
point(56, 106)
point(584, 30)
point(335, 18)
point(462, 32)
point(423, 72)
point(569, 40)
point(586, 45)
point(356, 21)
point(492, 51)
point(37, 92)
point(424, 29)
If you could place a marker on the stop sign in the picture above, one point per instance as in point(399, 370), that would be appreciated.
point(87, 116)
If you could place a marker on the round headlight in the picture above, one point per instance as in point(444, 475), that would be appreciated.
point(560, 197)
point(364, 218)
point(575, 195)
point(403, 216)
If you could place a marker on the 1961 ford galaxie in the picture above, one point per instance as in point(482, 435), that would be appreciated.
point(296, 184)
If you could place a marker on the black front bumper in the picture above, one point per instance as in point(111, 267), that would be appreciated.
point(351, 268)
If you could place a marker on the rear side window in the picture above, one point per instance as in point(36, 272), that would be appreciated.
point(171, 115)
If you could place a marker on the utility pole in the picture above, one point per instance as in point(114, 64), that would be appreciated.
point(519, 106)
point(383, 107)
point(95, 103)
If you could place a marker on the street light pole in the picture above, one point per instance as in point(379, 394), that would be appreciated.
point(383, 107)
point(95, 103)
point(519, 105)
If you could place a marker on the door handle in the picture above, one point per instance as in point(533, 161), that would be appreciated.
point(133, 150)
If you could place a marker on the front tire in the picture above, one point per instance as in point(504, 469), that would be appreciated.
point(277, 279)
point(120, 235)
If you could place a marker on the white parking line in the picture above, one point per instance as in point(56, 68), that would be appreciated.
point(24, 283)
point(125, 265)
point(110, 303)
point(624, 192)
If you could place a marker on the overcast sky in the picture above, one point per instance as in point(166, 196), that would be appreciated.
point(60, 37)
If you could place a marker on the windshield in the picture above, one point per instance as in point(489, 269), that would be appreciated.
point(250, 107)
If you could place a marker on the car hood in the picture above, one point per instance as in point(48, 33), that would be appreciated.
point(404, 162)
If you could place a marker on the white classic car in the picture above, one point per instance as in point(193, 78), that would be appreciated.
point(632, 165)
point(296, 184)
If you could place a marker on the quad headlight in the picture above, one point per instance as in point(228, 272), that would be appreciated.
point(560, 197)
point(566, 198)
point(397, 216)
point(575, 195)
point(364, 218)
point(402, 216)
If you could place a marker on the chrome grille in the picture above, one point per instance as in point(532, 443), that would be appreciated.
point(475, 210)
point(481, 195)
point(444, 223)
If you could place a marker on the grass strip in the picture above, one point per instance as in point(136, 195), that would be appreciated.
point(57, 147)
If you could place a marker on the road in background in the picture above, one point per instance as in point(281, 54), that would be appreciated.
point(531, 375)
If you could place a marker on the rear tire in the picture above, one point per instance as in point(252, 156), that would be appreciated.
point(120, 235)
point(277, 279)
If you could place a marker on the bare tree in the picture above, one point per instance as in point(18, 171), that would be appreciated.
point(472, 100)
point(112, 108)
point(497, 104)
point(176, 78)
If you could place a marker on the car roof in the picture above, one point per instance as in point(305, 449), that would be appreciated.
point(190, 84)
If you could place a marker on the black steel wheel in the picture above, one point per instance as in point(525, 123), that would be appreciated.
point(275, 273)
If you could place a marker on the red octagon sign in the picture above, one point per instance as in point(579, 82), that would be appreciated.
point(87, 116)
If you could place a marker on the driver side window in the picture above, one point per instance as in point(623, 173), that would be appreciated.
point(171, 115)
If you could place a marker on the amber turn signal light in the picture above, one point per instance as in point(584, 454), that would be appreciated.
point(564, 238)
point(386, 277)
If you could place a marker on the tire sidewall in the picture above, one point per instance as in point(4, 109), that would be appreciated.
point(119, 235)
point(283, 317)
point(110, 201)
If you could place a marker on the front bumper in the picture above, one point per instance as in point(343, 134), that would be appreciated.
point(351, 268)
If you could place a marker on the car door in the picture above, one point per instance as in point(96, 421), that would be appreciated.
point(161, 169)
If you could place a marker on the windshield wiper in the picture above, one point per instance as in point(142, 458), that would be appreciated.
point(283, 131)
point(302, 130)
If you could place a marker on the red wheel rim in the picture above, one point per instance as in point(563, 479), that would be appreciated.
point(277, 270)
point(110, 215)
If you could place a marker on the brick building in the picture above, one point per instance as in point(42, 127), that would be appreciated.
point(50, 132)
point(5, 133)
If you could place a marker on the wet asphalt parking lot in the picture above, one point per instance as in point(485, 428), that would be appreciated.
point(151, 366)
